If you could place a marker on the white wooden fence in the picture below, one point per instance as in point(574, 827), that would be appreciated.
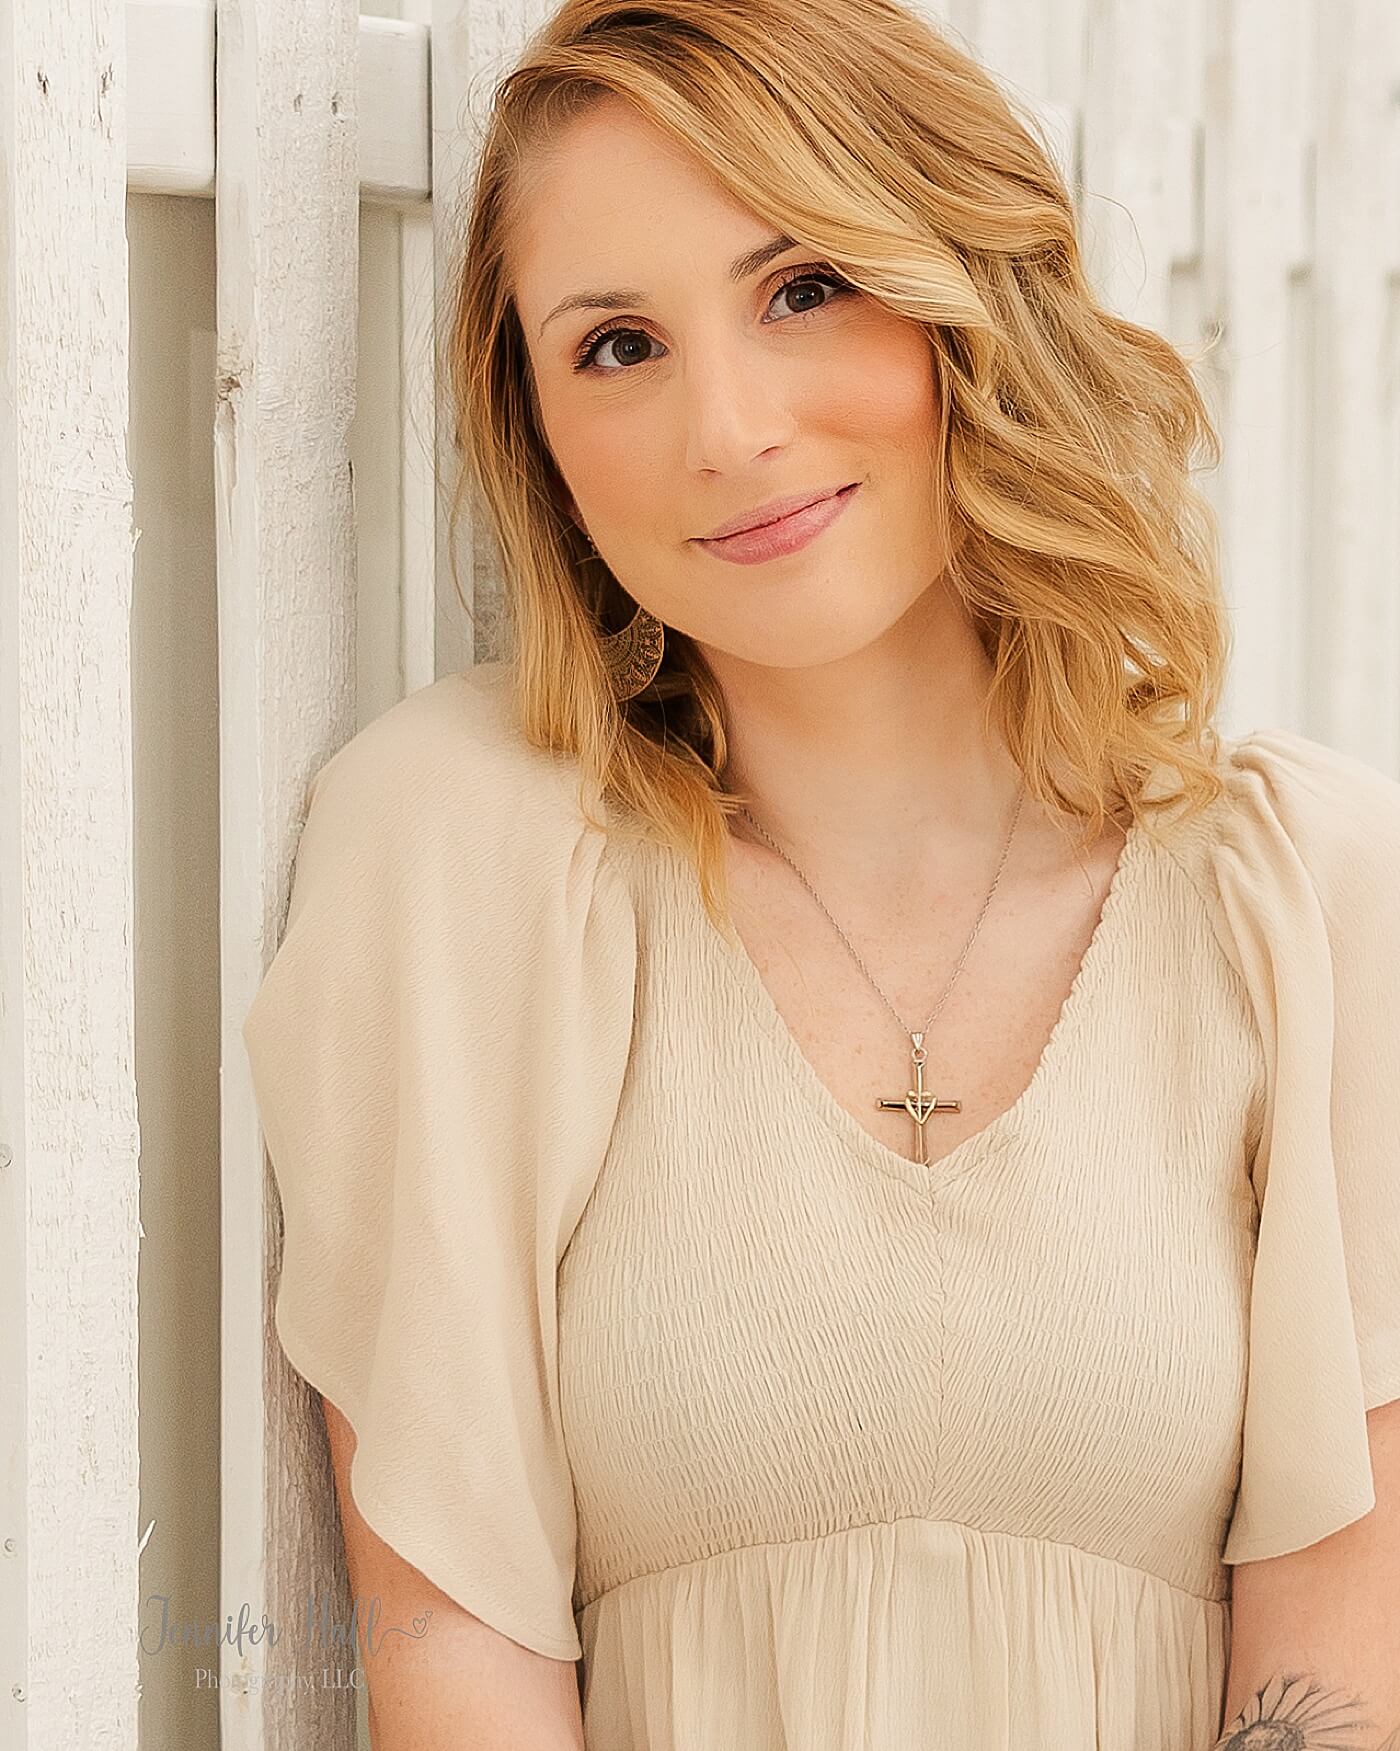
point(1241, 175)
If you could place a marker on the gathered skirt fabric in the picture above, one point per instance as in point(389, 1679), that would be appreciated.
point(912, 1634)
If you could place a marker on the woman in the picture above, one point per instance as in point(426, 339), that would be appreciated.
point(959, 1305)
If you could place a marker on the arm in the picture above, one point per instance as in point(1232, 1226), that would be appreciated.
point(463, 1686)
point(1315, 1634)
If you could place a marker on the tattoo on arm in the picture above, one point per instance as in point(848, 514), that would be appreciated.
point(1292, 1713)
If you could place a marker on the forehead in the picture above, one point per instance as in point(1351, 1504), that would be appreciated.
point(610, 199)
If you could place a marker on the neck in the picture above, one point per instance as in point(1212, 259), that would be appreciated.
point(879, 761)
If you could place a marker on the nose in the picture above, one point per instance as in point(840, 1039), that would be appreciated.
point(738, 405)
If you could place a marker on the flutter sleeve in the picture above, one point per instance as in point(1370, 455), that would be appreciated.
point(437, 1052)
point(1307, 882)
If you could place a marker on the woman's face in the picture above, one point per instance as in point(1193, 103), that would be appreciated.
point(708, 387)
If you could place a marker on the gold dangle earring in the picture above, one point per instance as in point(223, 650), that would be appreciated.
point(633, 655)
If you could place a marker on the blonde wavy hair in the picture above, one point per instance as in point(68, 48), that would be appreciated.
point(1085, 557)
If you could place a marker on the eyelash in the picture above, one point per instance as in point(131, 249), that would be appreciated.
point(589, 347)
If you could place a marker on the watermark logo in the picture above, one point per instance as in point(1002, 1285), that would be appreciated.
point(317, 1630)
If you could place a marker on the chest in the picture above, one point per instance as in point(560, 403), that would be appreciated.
point(987, 992)
point(772, 1323)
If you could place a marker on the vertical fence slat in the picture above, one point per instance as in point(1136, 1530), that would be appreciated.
point(14, 1325)
point(1264, 274)
point(69, 1145)
point(287, 209)
point(425, 433)
point(1355, 625)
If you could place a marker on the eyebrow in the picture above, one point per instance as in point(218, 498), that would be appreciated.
point(620, 299)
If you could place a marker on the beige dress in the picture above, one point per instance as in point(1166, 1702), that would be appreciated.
point(657, 1358)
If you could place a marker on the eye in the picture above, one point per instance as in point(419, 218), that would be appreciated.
point(593, 344)
point(807, 276)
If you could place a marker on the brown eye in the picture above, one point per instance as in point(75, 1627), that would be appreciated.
point(799, 281)
point(805, 279)
point(593, 345)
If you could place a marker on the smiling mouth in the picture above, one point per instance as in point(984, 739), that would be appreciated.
point(792, 510)
point(782, 516)
point(783, 535)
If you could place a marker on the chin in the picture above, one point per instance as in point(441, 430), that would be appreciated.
point(810, 647)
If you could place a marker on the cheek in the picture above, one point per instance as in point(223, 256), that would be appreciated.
point(609, 466)
point(624, 489)
point(883, 392)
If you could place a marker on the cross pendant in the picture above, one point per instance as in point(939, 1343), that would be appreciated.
point(920, 1103)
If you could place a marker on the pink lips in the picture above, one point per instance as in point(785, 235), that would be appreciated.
point(786, 535)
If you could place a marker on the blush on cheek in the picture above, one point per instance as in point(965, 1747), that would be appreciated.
point(902, 398)
point(881, 392)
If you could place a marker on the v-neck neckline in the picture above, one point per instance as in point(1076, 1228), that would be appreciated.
point(742, 975)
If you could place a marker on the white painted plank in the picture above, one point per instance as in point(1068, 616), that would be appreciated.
point(1354, 624)
point(423, 430)
point(170, 59)
point(171, 50)
point(395, 150)
point(287, 206)
point(69, 1145)
point(425, 434)
point(457, 31)
point(1265, 259)
point(15, 1684)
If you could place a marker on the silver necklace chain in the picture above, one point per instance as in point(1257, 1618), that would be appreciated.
point(947, 989)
